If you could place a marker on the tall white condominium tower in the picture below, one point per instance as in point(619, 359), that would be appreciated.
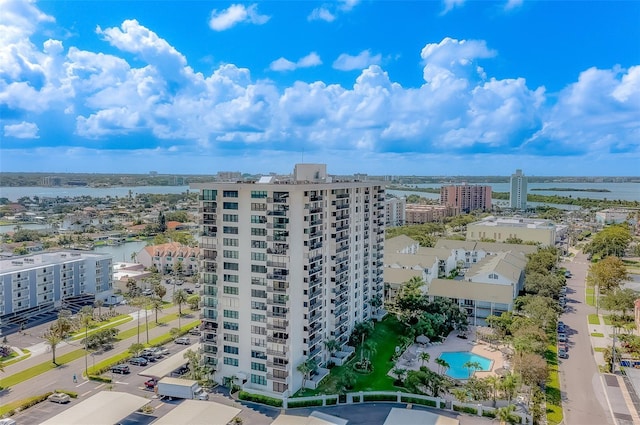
point(518, 192)
point(289, 263)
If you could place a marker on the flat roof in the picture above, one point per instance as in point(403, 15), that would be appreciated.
point(168, 365)
point(422, 417)
point(196, 412)
point(315, 418)
point(104, 408)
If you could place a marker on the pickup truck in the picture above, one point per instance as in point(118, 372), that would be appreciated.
point(151, 383)
point(181, 388)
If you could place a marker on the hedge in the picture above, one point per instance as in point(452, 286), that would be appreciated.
point(380, 397)
point(465, 409)
point(20, 405)
point(488, 414)
point(332, 401)
point(100, 378)
point(304, 403)
point(71, 394)
point(421, 401)
point(257, 398)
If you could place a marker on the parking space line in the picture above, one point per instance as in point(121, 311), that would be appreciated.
point(99, 386)
point(88, 392)
point(81, 384)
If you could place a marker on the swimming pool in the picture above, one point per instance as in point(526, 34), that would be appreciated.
point(457, 359)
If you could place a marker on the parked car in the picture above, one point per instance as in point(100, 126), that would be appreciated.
point(147, 292)
point(151, 383)
point(150, 357)
point(562, 337)
point(568, 274)
point(181, 370)
point(563, 354)
point(188, 290)
point(163, 350)
point(122, 369)
point(60, 398)
point(197, 285)
point(183, 340)
point(138, 361)
point(194, 331)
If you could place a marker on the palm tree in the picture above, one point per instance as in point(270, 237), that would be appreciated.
point(509, 385)
point(425, 357)
point(460, 394)
point(504, 414)
point(179, 298)
point(400, 373)
point(52, 338)
point(332, 345)
point(99, 304)
point(86, 317)
point(494, 383)
point(156, 306)
point(472, 367)
point(306, 367)
point(442, 365)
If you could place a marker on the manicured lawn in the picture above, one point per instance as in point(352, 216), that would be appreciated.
point(386, 336)
point(599, 349)
point(40, 368)
point(594, 319)
point(589, 296)
point(607, 320)
point(112, 323)
point(597, 334)
point(15, 359)
point(552, 390)
point(143, 329)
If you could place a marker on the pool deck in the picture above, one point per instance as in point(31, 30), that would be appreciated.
point(453, 343)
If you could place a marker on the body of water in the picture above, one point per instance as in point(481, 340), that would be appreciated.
point(15, 193)
point(121, 252)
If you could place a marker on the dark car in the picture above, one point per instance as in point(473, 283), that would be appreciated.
point(138, 361)
point(181, 370)
point(563, 354)
point(149, 356)
point(188, 290)
point(121, 369)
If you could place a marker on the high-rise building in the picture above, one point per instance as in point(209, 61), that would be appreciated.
point(289, 263)
point(518, 192)
point(466, 198)
point(395, 211)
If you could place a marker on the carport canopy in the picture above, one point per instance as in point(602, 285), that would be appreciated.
point(196, 412)
point(104, 408)
point(168, 365)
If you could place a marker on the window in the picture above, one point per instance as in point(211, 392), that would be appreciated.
point(230, 205)
point(231, 230)
point(231, 326)
point(209, 194)
point(258, 366)
point(257, 269)
point(231, 266)
point(256, 305)
point(256, 194)
point(230, 254)
point(230, 194)
point(258, 379)
point(259, 281)
point(231, 337)
point(231, 349)
point(258, 330)
point(258, 207)
point(231, 290)
point(231, 314)
point(230, 242)
point(493, 276)
point(230, 217)
point(256, 231)
point(258, 256)
point(258, 355)
point(233, 278)
point(230, 361)
point(259, 244)
point(257, 293)
point(258, 318)
point(258, 342)
point(258, 219)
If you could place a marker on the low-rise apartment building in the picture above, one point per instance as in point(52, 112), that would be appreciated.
point(171, 258)
point(502, 229)
point(421, 213)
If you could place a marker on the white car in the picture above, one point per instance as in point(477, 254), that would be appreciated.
point(60, 398)
point(183, 340)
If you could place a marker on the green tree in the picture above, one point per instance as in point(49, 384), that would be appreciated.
point(52, 338)
point(306, 368)
point(332, 345)
point(179, 298)
point(611, 241)
point(194, 302)
point(504, 414)
point(156, 306)
point(608, 274)
point(443, 366)
point(86, 318)
point(546, 285)
point(494, 383)
point(136, 348)
point(622, 300)
point(98, 304)
point(531, 367)
point(472, 367)
point(424, 357)
point(159, 290)
point(162, 223)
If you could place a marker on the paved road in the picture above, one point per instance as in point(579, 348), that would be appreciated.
point(584, 399)
point(62, 377)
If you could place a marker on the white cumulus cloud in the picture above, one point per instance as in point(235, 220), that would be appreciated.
point(23, 130)
point(282, 64)
point(346, 62)
point(236, 13)
point(449, 5)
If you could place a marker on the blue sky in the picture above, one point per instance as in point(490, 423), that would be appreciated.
point(453, 87)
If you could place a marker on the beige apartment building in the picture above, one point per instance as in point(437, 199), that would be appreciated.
point(466, 198)
point(289, 262)
point(419, 213)
point(501, 229)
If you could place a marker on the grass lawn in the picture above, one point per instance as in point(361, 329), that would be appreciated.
point(14, 358)
point(111, 323)
point(597, 334)
point(552, 390)
point(589, 296)
point(386, 336)
point(594, 319)
point(40, 368)
point(607, 320)
point(599, 349)
point(143, 329)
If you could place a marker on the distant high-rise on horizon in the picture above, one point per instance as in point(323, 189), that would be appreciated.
point(518, 192)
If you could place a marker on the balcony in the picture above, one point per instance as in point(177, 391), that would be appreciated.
point(342, 321)
point(279, 366)
point(272, 377)
point(275, 326)
point(278, 315)
point(314, 198)
point(276, 289)
point(339, 311)
point(277, 213)
point(340, 290)
point(278, 276)
point(282, 341)
point(342, 238)
point(278, 264)
point(279, 353)
point(341, 301)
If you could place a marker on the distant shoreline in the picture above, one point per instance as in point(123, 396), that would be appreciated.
point(568, 189)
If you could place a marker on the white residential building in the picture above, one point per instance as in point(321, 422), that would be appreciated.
point(288, 263)
point(518, 191)
point(37, 283)
point(395, 211)
point(502, 229)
